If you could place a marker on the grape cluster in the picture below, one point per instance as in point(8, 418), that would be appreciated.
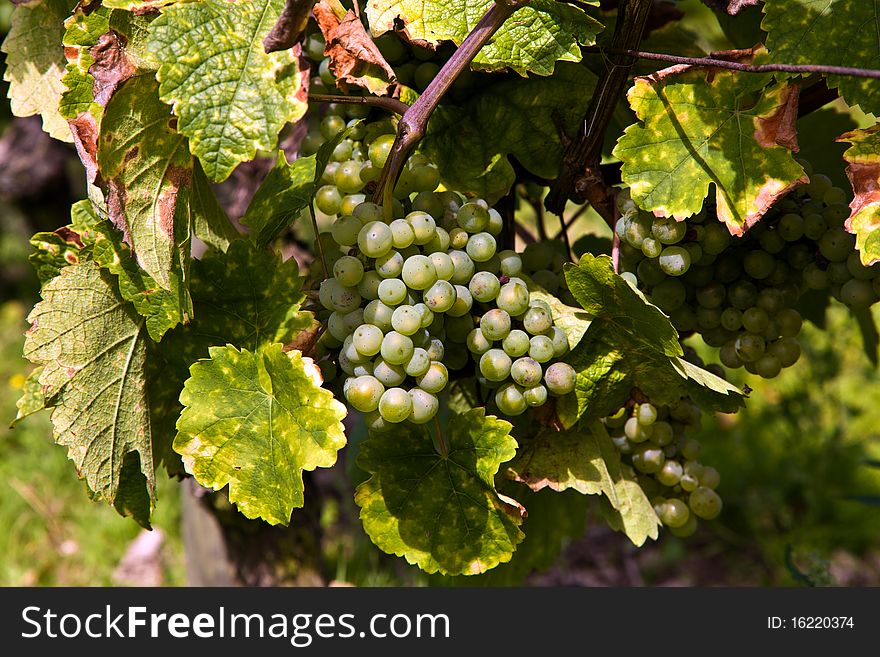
point(543, 262)
point(740, 293)
point(653, 439)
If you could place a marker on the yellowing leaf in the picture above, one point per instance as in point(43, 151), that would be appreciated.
point(863, 170)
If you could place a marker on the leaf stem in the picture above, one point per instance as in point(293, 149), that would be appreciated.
point(318, 241)
point(713, 62)
point(441, 443)
point(413, 124)
point(390, 104)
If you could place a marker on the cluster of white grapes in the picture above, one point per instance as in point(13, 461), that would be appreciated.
point(739, 293)
point(410, 298)
point(654, 440)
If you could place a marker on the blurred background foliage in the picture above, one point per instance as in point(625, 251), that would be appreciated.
point(800, 465)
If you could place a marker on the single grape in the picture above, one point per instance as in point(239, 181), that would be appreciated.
point(560, 341)
point(424, 406)
point(395, 405)
point(675, 260)
point(397, 348)
point(379, 314)
point(389, 375)
point(836, 244)
point(331, 125)
point(473, 218)
point(439, 297)
point(668, 231)
point(375, 239)
point(787, 350)
point(419, 272)
point(674, 513)
point(392, 291)
point(495, 324)
point(436, 349)
point(516, 343)
point(389, 265)
point(423, 226)
point(495, 365)
point(636, 432)
point(364, 393)
point(510, 400)
point(348, 177)
point(418, 363)
point(537, 320)
point(669, 295)
point(439, 243)
point(463, 302)
point(670, 473)
point(345, 230)
point(536, 395)
point(705, 503)
point(527, 372)
point(406, 320)
point(648, 458)
point(458, 238)
point(856, 293)
point(463, 268)
point(367, 339)
point(477, 343)
point(541, 349)
point(481, 247)
point(380, 149)
point(513, 297)
point(434, 380)
point(328, 199)
point(646, 414)
point(511, 263)
point(484, 286)
point(560, 378)
point(649, 272)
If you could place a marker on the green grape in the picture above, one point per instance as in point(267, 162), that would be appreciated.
point(463, 267)
point(463, 302)
point(418, 363)
point(836, 244)
point(368, 288)
point(345, 230)
point(705, 503)
point(758, 264)
point(342, 152)
point(691, 449)
point(858, 270)
point(648, 459)
point(348, 270)
point(771, 241)
point(336, 326)
point(378, 314)
point(674, 513)
point(646, 414)
point(728, 356)
point(516, 343)
point(537, 321)
point(311, 143)
point(791, 227)
point(770, 300)
point(402, 234)
point(443, 265)
point(392, 291)
point(419, 272)
point(331, 125)
point(406, 320)
point(496, 222)
point(731, 319)
point(560, 341)
point(439, 297)
point(389, 265)
point(669, 295)
point(559, 378)
point(434, 380)
point(637, 229)
point(536, 396)
point(527, 372)
point(344, 299)
point(348, 177)
point(789, 322)
point(709, 477)
point(390, 375)
point(425, 178)
point(374, 239)
point(368, 212)
point(458, 238)
point(675, 260)
point(668, 231)
point(649, 272)
point(670, 473)
point(428, 202)
point(814, 226)
point(424, 406)
point(481, 247)
point(439, 243)
point(473, 218)
point(742, 295)
point(367, 339)
point(328, 200)
point(768, 366)
point(380, 149)
point(477, 343)
point(395, 405)
point(858, 294)
point(755, 320)
point(436, 350)
point(397, 348)
point(364, 393)
point(329, 173)
point(495, 324)
point(484, 286)
point(636, 432)
point(510, 400)
point(495, 365)
point(715, 238)
point(511, 263)
point(711, 295)
point(513, 297)
point(352, 354)
point(541, 349)
point(651, 248)
point(423, 226)
point(689, 482)
point(425, 313)
point(838, 273)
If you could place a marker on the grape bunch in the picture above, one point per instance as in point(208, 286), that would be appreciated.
point(655, 441)
point(740, 293)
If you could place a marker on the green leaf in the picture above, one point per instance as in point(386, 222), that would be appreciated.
point(232, 98)
point(863, 170)
point(831, 32)
point(287, 190)
point(65, 246)
point(147, 169)
point(584, 459)
point(441, 512)
point(81, 33)
point(132, 499)
point(532, 40)
point(92, 346)
point(162, 309)
point(210, 223)
point(609, 298)
point(525, 119)
point(700, 127)
point(32, 399)
point(35, 63)
point(254, 421)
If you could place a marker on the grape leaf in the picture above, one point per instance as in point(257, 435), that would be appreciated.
point(519, 118)
point(92, 346)
point(147, 169)
point(700, 127)
point(863, 170)
point(441, 512)
point(32, 399)
point(354, 58)
point(609, 298)
point(831, 32)
point(209, 222)
point(65, 246)
point(584, 459)
point(35, 63)
point(532, 40)
point(232, 98)
point(255, 421)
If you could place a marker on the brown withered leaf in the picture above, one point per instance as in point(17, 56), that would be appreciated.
point(780, 128)
point(290, 26)
point(354, 57)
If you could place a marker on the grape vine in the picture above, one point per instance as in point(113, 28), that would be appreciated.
point(413, 164)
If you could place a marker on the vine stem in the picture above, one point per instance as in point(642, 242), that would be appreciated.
point(391, 104)
point(413, 123)
point(320, 244)
point(739, 66)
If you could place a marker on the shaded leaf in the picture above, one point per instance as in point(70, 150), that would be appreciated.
point(147, 168)
point(32, 399)
point(532, 40)
point(254, 421)
point(830, 32)
point(232, 98)
point(868, 329)
point(700, 127)
point(290, 26)
point(209, 222)
point(863, 170)
point(354, 58)
point(35, 63)
point(92, 346)
point(523, 119)
point(439, 512)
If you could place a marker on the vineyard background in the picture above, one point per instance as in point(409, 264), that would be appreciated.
point(801, 464)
